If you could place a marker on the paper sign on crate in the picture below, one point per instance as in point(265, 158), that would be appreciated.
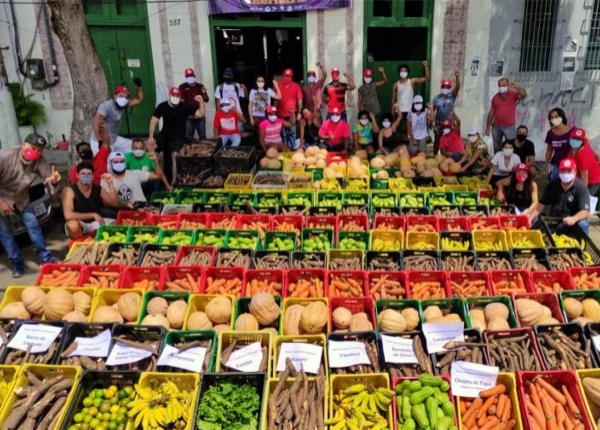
point(469, 379)
point(123, 354)
point(246, 359)
point(346, 354)
point(191, 359)
point(97, 346)
point(300, 353)
point(398, 350)
point(38, 337)
point(438, 334)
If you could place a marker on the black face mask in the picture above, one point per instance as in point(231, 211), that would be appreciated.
point(86, 154)
point(521, 137)
point(229, 79)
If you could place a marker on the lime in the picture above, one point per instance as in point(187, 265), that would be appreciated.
point(84, 426)
point(114, 400)
point(121, 419)
point(109, 394)
point(93, 411)
point(99, 393)
point(122, 394)
point(122, 411)
point(104, 407)
point(94, 423)
point(113, 388)
point(112, 425)
point(114, 409)
point(87, 402)
point(128, 389)
point(78, 418)
point(75, 427)
point(87, 419)
point(97, 402)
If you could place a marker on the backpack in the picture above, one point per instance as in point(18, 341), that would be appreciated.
point(236, 87)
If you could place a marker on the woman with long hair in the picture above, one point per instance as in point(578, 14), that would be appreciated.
point(519, 189)
point(557, 141)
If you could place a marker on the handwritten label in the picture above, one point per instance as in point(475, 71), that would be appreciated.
point(469, 379)
point(398, 350)
point(596, 340)
point(123, 354)
point(40, 337)
point(246, 359)
point(97, 346)
point(346, 354)
point(191, 359)
point(438, 334)
point(300, 353)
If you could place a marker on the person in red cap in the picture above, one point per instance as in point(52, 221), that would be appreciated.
point(193, 93)
point(334, 93)
point(367, 92)
point(172, 134)
point(443, 106)
point(451, 143)
point(588, 169)
point(568, 197)
point(519, 189)
point(291, 100)
point(502, 116)
point(403, 92)
point(270, 130)
point(311, 91)
point(335, 132)
point(232, 92)
point(260, 99)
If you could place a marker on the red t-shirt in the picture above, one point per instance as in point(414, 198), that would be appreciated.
point(100, 162)
point(336, 93)
point(505, 110)
point(586, 160)
point(340, 131)
point(452, 142)
point(226, 123)
point(189, 92)
point(290, 94)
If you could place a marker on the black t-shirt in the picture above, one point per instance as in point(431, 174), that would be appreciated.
point(564, 203)
point(525, 150)
point(174, 118)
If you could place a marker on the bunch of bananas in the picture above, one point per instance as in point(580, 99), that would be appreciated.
point(523, 243)
point(454, 245)
point(327, 184)
point(399, 184)
point(489, 246)
point(564, 241)
point(588, 259)
point(356, 185)
point(385, 245)
point(361, 406)
point(161, 405)
point(422, 246)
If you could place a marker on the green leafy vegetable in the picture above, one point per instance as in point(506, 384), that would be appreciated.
point(229, 406)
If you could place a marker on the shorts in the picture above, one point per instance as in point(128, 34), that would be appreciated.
point(420, 145)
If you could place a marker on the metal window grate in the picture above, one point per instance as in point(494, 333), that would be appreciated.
point(592, 55)
point(537, 37)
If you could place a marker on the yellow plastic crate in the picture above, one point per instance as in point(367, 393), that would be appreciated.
point(246, 178)
point(42, 371)
point(456, 187)
point(533, 236)
point(10, 376)
point(304, 302)
point(244, 338)
point(198, 302)
point(307, 183)
point(313, 339)
point(109, 297)
point(387, 236)
point(429, 189)
point(184, 381)
point(413, 238)
point(440, 181)
point(78, 245)
point(495, 237)
point(509, 380)
point(397, 185)
point(588, 373)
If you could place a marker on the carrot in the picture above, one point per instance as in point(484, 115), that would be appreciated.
point(502, 403)
point(486, 405)
point(536, 414)
point(535, 396)
point(494, 391)
point(572, 408)
point(490, 424)
point(553, 392)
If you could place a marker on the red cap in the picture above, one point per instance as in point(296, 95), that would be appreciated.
point(190, 72)
point(174, 91)
point(335, 111)
point(446, 84)
point(312, 73)
point(368, 73)
point(522, 166)
point(288, 73)
point(122, 89)
point(578, 133)
point(567, 164)
point(335, 70)
point(447, 124)
point(271, 109)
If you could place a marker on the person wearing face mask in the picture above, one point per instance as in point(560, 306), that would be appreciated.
point(567, 196)
point(311, 91)
point(519, 189)
point(138, 159)
point(403, 89)
point(83, 203)
point(291, 100)
point(192, 94)
point(557, 141)
point(443, 106)
point(231, 91)
point(476, 155)
point(335, 133)
point(502, 116)
point(19, 167)
point(387, 138)
point(309, 124)
point(84, 151)
point(418, 126)
point(451, 143)
point(334, 93)
point(260, 99)
point(367, 92)
point(107, 120)
point(588, 169)
point(525, 148)
point(270, 130)
point(362, 132)
point(225, 125)
point(503, 163)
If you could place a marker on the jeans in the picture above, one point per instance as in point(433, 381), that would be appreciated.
point(509, 132)
point(195, 125)
point(35, 234)
point(553, 175)
point(151, 187)
point(234, 139)
point(585, 226)
point(288, 135)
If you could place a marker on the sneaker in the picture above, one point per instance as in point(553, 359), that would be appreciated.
point(51, 260)
point(17, 270)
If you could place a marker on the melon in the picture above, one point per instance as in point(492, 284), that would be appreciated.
point(418, 159)
point(378, 163)
point(455, 167)
point(272, 153)
point(298, 158)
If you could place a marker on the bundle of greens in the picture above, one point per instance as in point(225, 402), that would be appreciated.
point(229, 406)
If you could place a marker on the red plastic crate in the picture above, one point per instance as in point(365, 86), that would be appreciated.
point(514, 222)
point(396, 276)
point(296, 220)
point(460, 277)
point(485, 223)
point(247, 219)
point(50, 268)
point(557, 379)
point(187, 249)
point(323, 221)
point(441, 276)
point(198, 218)
point(270, 275)
point(335, 157)
point(217, 217)
point(549, 278)
point(547, 299)
point(397, 222)
point(166, 222)
point(138, 217)
point(587, 272)
point(357, 278)
point(354, 305)
point(513, 332)
point(509, 275)
point(174, 273)
point(132, 275)
point(360, 219)
point(87, 271)
point(416, 220)
point(294, 275)
point(455, 224)
point(490, 194)
point(227, 273)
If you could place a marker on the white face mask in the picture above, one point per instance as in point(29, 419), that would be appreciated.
point(556, 121)
point(139, 153)
point(418, 106)
point(335, 118)
point(565, 178)
point(364, 121)
point(472, 139)
point(190, 80)
point(447, 130)
point(225, 108)
point(260, 84)
point(312, 79)
point(507, 152)
point(502, 90)
point(386, 124)
point(368, 80)
point(403, 74)
point(272, 118)
point(445, 91)
point(174, 100)
point(122, 101)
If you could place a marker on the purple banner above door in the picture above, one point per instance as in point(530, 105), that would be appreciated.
point(265, 6)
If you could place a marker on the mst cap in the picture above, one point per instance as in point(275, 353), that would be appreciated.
point(35, 139)
point(288, 73)
point(447, 124)
point(122, 89)
point(271, 109)
point(446, 84)
point(567, 164)
point(367, 73)
point(335, 111)
point(418, 99)
point(335, 70)
point(174, 91)
point(521, 166)
point(189, 73)
point(578, 133)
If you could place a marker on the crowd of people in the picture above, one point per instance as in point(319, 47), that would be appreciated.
point(114, 172)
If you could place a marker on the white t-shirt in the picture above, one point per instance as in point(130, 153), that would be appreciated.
point(261, 100)
point(501, 168)
point(229, 93)
point(419, 123)
point(129, 186)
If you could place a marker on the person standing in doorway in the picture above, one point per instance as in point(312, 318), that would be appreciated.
point(502, 116)
point(334, 93)
point(557, 141)
point(443, 106)
point(260, 100)
point(311, 92)
point(291, 100)
point(403, 92)
point(418, 126)
point(233, 92)
point(192, 94)
point(367, 92)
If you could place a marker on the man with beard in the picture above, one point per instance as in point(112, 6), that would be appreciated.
point(194, 94)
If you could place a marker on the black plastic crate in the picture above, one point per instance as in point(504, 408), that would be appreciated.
point(59, 339)
point(473, 210)
point(576, 233)
point(207, 207)
point(380, 210)
point(546, 233)
point(392, 256)
point(224, 164)
point(471, 335)
point(572, 251)
point(116, 247)
point(284, 255)
point(367, 336)
point(245, 252)
point(442, 211)
point(150, 247)
point(392, 368)
point(138, 333)
point(323, 210)
point(501, 210)
point(416, 253)
point(407, 210)
point(540, 256)
point(457, 254)
point(298, 255)
point(74, 330)
point(569, 329)
point(292, 210)
point(506, 255)
point(187, 336)
point(155, 208)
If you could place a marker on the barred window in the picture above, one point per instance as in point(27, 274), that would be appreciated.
point(592, 55)
point(539, 19)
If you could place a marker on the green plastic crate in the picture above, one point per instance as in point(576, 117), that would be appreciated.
point(448, 305)
point(240, 198)
point(354, 198)
point(383, 199)
point(252, 235)
point(242, 306)
point(272, 237)
point(412, 199)
point(398, 304)
point(174, 337)
point(471, 196)
point(167, 236)
point(106, 233)
point(268, 199)
point(440, 198)
point(169, 296)
point(358, 236)
point(201, 235)
point(218, 197)
point(189, 197)
point(164, 197)
point(472, 302)
point(303, 198)
point(307, 233)
point(317, 172)
point(150, 231)
point(330, 198)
